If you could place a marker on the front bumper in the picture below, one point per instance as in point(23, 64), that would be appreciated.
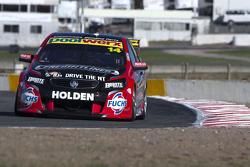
point(116, 104)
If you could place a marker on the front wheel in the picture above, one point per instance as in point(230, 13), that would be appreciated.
point(16, 101)
point(134, 109)
point(143, 115)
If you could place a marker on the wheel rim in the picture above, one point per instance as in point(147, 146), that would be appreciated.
point(145, 104)
point(134, 104)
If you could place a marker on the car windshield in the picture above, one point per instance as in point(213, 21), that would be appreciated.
point(92, 55)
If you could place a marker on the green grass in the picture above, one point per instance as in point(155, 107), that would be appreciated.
point(7, 56)
point(157, 57)
point(240, 53)
point(161, 43)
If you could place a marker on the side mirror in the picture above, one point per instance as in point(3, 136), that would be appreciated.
point(26, 58)
point(140, 66)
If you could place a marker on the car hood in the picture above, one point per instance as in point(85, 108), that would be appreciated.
point(76, 67)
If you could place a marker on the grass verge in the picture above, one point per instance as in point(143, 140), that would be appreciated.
point(7, 56)
point(157, 57)
point(240, 53)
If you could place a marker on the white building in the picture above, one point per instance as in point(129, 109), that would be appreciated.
point(121, 4)
point(27, 22)
point(186, 4)
point(152, 25)
point(153, 4)
point(221, 6)
point(67, 15)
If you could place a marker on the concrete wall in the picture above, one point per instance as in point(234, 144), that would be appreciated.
point(208, 39)
point(242, 40)
point(4, 83)
point(234, 91)
point(235, 39)
point(9, 82)
point(158, 35)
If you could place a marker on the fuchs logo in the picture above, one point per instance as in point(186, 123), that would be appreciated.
point(118, 103)
point(29, 97)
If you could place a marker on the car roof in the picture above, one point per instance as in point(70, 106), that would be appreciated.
point(69, 34)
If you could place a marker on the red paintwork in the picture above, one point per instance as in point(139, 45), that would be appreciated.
point(26, 56)
point(46, 40)
point(140, 64)
point(33, 108)
point(127, 112)
point(50, 106)
point(96, 108)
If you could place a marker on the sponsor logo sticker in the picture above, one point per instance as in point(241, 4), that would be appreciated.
point(80, 41)
point(88, 77)
point(28, 97)
point(80, 76)
point(70, 66)
point(118, 103)
point(36, 80)
point(114, 85)
point(53, 74)
point(73, 96)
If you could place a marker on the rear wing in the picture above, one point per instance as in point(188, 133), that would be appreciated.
point(136, 45)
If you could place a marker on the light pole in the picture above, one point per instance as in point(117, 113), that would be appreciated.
point(228, 4)
point(80, 15)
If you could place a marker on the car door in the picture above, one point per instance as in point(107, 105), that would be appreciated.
point(139, 75)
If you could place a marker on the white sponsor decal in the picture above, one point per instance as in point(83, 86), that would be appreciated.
point(114, 85)
point(28, 97)
point(129, 91)
point(53, 74)
point(73, 96)
point(81, 67)
point(92, 77)
point(36, 80)
point(118, 103)
point(88, 77)
point(80, 76)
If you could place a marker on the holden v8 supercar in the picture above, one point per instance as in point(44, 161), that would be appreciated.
point(83, 74)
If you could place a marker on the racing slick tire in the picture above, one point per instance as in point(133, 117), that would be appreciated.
point(143, 116)
point(133, 115)
point(17, 113)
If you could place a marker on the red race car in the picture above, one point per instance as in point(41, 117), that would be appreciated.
point(84, 75)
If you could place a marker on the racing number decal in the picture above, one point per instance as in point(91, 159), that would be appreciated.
point(117, 50)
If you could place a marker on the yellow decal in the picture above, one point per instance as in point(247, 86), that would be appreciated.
point(135, 42)
point(117, 50)
point(96, 42)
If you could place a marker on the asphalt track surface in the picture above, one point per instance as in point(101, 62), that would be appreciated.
point(161, 114)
